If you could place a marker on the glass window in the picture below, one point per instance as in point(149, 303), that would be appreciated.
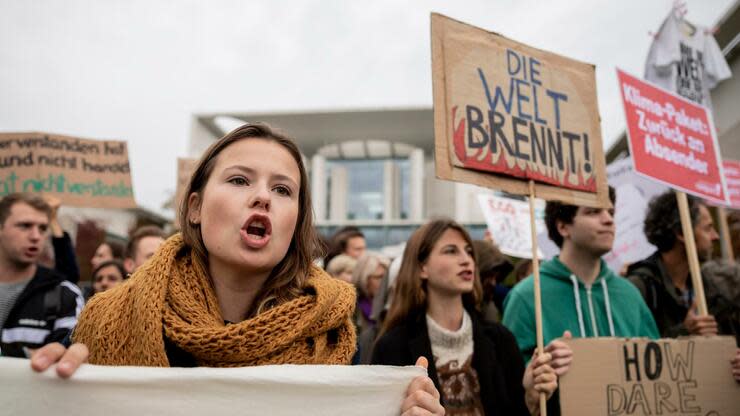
point(364, 188)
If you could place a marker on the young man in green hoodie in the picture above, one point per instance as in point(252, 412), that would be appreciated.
point(580, 294)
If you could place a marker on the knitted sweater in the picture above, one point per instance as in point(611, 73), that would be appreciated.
point(453, 355)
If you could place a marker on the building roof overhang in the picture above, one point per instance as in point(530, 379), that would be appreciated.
point(323, 129)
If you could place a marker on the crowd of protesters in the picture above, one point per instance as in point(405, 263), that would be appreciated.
point(248, 249)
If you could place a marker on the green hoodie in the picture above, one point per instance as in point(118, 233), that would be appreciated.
point(615, 302)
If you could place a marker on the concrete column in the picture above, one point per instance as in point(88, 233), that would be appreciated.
point(416, 185)
point(391, 190)
point(462, 202)
point(318, 187)
point(338, 194)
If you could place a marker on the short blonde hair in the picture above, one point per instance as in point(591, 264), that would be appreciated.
point(340, 264)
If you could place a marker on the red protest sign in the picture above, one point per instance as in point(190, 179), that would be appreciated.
point(672, 140)
point(732, 178)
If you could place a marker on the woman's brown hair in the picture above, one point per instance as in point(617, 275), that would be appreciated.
point(410, 294)
point(288, 277)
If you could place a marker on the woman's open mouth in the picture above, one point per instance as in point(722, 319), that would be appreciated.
point(256, 231)
point(467, 275)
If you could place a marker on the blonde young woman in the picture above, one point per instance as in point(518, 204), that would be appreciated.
point(238, 286)
point(475, 365)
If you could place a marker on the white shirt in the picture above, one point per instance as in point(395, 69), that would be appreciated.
point(686, 60)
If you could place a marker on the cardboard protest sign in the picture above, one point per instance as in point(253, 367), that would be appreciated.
point(671, 139)
point(506, 113)
point(732, 179)
point(640, 377)
point(279, 390)
point(508, 222)
point(185, 168)
point(80, 172)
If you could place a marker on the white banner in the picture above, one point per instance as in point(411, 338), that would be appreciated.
point(508, 221)
point(634, 193)
point(265, 390)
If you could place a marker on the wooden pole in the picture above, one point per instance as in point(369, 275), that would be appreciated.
point(688, 237)
point(537, 295)
point(724, 232)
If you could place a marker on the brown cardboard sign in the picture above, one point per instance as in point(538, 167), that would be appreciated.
point(506, 113)
point(185, 168)
point(80, 172)
point(637, 376)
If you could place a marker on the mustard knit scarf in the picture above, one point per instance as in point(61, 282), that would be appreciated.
point(170, 296)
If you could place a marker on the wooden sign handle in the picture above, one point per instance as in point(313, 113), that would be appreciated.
point(537, 296)
point(724, 232)
point(690, 243)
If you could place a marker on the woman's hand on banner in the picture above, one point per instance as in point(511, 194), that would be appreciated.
point(68, 360)
point(422, 398)
point(736, 365)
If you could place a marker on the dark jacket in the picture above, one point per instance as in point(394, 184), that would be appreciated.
point(496, 359)
point(666, 303)
point(65, 259)
point(45, 312)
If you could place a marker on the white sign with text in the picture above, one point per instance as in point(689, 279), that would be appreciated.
point(509, 223)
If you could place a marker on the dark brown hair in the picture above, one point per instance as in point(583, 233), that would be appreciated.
point(36, 202)
point(490, 261)
point(288, 277)
point(117, 249)
point(338, 241)
point(116, 263)
point(662, 224)
point(559, 211)
point(410, 294)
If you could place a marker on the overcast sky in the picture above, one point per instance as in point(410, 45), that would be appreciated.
point(137, 70)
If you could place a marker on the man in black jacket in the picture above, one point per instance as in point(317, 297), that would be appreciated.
point(663, 277)
point(37, 305)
